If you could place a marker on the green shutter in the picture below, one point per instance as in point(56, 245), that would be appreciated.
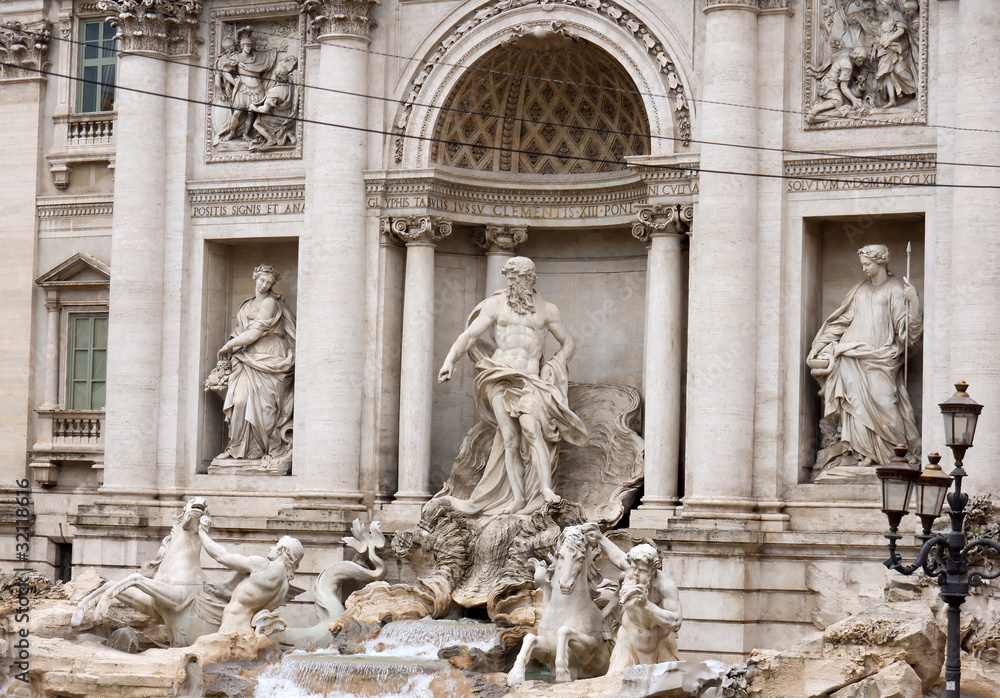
point(87, 367)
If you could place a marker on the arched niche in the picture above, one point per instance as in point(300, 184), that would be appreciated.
point(641, 53)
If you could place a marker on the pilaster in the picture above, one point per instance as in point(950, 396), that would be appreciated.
point(722, 326)
point(136, 309)
point(23, 53)
point(332, 260)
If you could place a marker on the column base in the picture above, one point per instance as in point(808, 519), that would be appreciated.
point(404, 510)
point(733, 513)
point(654, 513)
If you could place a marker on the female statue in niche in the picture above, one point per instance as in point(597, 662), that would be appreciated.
point(256, 371)
point(856, 357)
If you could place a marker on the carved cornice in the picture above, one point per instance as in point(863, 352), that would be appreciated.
point(23, 49)
point(73, 209)
point(608, 9)
point(505, 237)
point(154, 26)
point(351, 17)
point(861, 166)
point(662, 219)
point(417, 230)
point(246, 194)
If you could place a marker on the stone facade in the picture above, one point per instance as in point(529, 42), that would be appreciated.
point(692, 203)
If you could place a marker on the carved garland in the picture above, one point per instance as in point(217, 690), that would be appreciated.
point(23, 49)
point(608, 9)
point(158, 26)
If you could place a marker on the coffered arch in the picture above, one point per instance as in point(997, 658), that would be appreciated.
point(659, 83)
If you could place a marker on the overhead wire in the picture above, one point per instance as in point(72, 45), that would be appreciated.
point(901, 158)
point(693, 167)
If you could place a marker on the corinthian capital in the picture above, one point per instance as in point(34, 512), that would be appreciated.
point(23, 49)
point(351, 17)
point(501, 237)
point(157, 26)
point(662, 219)
point(417, 230)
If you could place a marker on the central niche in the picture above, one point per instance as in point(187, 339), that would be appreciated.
point(537, 108)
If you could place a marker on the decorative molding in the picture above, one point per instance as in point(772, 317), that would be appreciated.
point(24, 48)
point(65, 274)
point(833, 28)
point(503, 237)
point(417, 230)
point(826, 174)
point(608, 10)
point(213, 200)
point(662, 219)
point(162, 26)
point(98, 206)
point(333, 17)
point(283, 31)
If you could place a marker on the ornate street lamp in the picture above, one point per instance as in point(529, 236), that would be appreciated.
point(941, 557)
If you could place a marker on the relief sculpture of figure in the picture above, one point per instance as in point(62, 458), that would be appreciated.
point(897, 67)
point(256, 373)
point(836, 84)
point(524, 397)
point(245, 73)
point(857, 357)
point(276, 112)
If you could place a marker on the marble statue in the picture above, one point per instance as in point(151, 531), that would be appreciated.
point(524, 397)
point(857, 357)
point(173, 587)
point(571, 635)
point(255, 372)
point(651, 606)
point(266, 582)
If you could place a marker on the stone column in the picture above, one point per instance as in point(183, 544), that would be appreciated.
point(22, 95)
point(329, 371)
point(722, 309)
point(501, 243)
point(417, 374)
point(975, 265)
point(663, 227)
point(137, 241)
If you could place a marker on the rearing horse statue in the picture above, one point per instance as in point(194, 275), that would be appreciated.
point(177, 590)
point(571, 638)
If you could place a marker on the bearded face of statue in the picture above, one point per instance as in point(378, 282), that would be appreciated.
point(520, 293)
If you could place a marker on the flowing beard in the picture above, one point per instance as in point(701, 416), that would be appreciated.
point(520, 298)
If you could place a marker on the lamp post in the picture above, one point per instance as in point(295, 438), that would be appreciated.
point(941, 557)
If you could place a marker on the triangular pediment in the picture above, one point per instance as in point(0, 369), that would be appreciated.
point(80, 269)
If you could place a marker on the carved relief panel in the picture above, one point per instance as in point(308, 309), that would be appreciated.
point(865, 63)
point(255, 85)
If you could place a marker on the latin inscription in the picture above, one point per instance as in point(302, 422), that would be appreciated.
point(263, 209)
point(873, 182)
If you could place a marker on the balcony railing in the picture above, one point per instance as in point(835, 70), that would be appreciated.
point(80, 138)
point(90, 129)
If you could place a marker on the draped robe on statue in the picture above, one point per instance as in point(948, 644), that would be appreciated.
point(258, 405)
point(865, 388)
point(542, 396)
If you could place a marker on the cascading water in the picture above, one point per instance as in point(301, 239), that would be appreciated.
point(402, 662)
